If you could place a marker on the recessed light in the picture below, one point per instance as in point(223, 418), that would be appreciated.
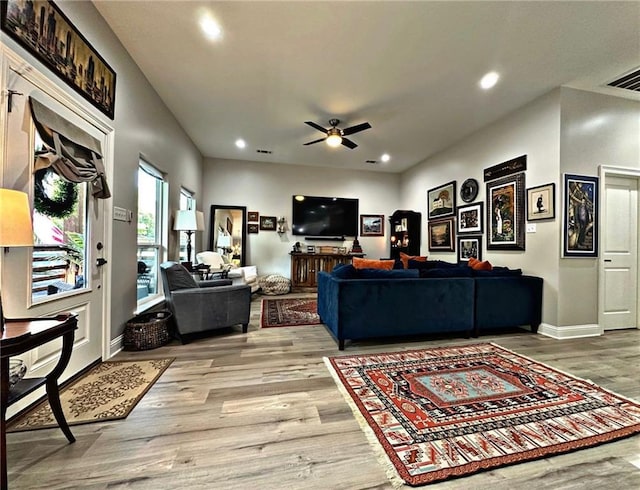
point(240, 143)
point(210, 28)
point(489, 80)
point(385, 157)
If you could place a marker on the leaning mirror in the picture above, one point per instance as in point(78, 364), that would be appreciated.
point(227, 232)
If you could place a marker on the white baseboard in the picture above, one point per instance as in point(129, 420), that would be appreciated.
point(570, 331)
point(116, 346)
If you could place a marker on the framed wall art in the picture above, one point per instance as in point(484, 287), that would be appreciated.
point(252, 216)
point(580, 230)
point(510, 167)
point(469, 246)
point(268, 223)
point(372, 225)
point(441, 201)
point(541, 202)
point(442, 235)
point(470, 218)
point(252, 228)
point(41, 28)
point(506, 213)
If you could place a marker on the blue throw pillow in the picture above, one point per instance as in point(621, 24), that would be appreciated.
point(431, 264)
point(344, 271)
point(384, 274)
point(498, 272)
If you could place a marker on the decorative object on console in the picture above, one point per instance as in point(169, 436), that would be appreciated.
point(372, 225)
point(506, 213)
point(470, 218)
point(336, 136)
point(356, 248)
point(98, 82)
point(252, 228)
point(442, 235)
point(16, 229)
point(297, 248)
point(469, 190)
point(252, 216)
point(441, 201)
point(469, 247)
point(453, 411)
point(580, 220)
point(503, 169)
point(404, 233)
point(281, 225)
point(189, 220)
point(311, 249)
point(342, 250)
point(268, 223)
point(541, 202)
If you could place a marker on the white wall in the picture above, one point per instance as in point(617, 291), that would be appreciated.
point(268, 189)
point(534, 130)
point(596, 130)
point(143, 126)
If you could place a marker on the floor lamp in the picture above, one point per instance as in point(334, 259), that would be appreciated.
point(16, 229)
point(189, 220)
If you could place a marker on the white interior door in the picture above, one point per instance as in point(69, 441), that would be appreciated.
point(619, 261)
point(18, 294)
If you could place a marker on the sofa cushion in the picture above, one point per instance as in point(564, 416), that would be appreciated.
point(447, 272)
point(344, 271)
point(431, 264)
point(406, 258)
point(387, 274)
point(497, 272)
point(360, 263)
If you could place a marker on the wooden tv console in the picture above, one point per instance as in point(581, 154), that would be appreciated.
point(305, 266)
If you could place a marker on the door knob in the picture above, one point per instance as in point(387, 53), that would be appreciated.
point(100, 262)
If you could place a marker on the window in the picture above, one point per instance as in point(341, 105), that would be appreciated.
point(59, 234)
point(187, 201)
point(152, 230)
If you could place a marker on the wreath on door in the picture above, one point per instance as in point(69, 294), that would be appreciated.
point(63, 201)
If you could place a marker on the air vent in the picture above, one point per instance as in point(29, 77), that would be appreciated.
point(266, 152)
point(373, 162)
point(630, 81)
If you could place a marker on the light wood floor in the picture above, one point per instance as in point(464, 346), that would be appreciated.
point(260, 411)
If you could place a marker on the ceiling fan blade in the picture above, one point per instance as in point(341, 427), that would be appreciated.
point(348, 143)
point(316, 141)
point(356, 129)
point(316, 126)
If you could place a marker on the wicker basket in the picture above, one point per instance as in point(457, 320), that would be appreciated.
point(147, 331)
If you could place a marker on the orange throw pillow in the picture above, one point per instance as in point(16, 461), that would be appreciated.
point(406, 258)
point(483, 266)
point(472, 261)
point(359, 263)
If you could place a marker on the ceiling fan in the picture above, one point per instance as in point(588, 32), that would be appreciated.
point(336, 136)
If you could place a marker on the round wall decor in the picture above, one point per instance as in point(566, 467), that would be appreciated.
point(469, 190)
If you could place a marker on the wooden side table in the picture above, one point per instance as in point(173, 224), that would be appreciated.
point(21, 336)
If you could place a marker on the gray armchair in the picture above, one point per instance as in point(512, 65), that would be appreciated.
point(203, 305)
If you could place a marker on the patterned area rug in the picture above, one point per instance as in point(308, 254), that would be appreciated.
point(446, 412)
point(109, 391)
point(289, 312)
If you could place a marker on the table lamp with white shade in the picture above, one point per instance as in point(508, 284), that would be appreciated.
point(189, 220)
point(16, 229)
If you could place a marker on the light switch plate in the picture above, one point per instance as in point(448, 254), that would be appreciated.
point(120, 214)
point(531, 227)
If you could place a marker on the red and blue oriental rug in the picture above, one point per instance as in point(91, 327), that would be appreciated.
point(452, 411)
point(289, 312)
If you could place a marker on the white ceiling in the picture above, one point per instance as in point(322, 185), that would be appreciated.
point(409, 68)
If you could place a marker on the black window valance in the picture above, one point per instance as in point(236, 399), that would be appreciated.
point(71, 152)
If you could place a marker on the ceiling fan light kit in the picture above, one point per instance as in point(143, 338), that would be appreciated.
point(336, 136)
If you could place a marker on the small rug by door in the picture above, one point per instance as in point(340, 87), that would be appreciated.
point(109, 391)
point(289, 312)
point(445, 412)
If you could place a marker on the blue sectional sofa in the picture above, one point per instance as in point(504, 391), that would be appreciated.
point(368, 303)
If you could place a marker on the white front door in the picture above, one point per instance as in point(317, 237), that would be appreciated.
point(619, 260)
point(22, 293)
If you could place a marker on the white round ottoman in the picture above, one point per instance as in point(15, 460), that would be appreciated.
point(274, 284)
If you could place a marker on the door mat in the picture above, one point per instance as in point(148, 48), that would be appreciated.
point(438, 413)
point(289, 312)
point(109, 391)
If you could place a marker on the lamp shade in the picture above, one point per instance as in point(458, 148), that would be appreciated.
point(16, 229)
point(189, 220)
point(224, 241)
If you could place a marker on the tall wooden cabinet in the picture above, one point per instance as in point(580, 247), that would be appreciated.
point(304, 268)
point(404, 233)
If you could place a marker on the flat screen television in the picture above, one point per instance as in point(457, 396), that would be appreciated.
point(324, 216)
